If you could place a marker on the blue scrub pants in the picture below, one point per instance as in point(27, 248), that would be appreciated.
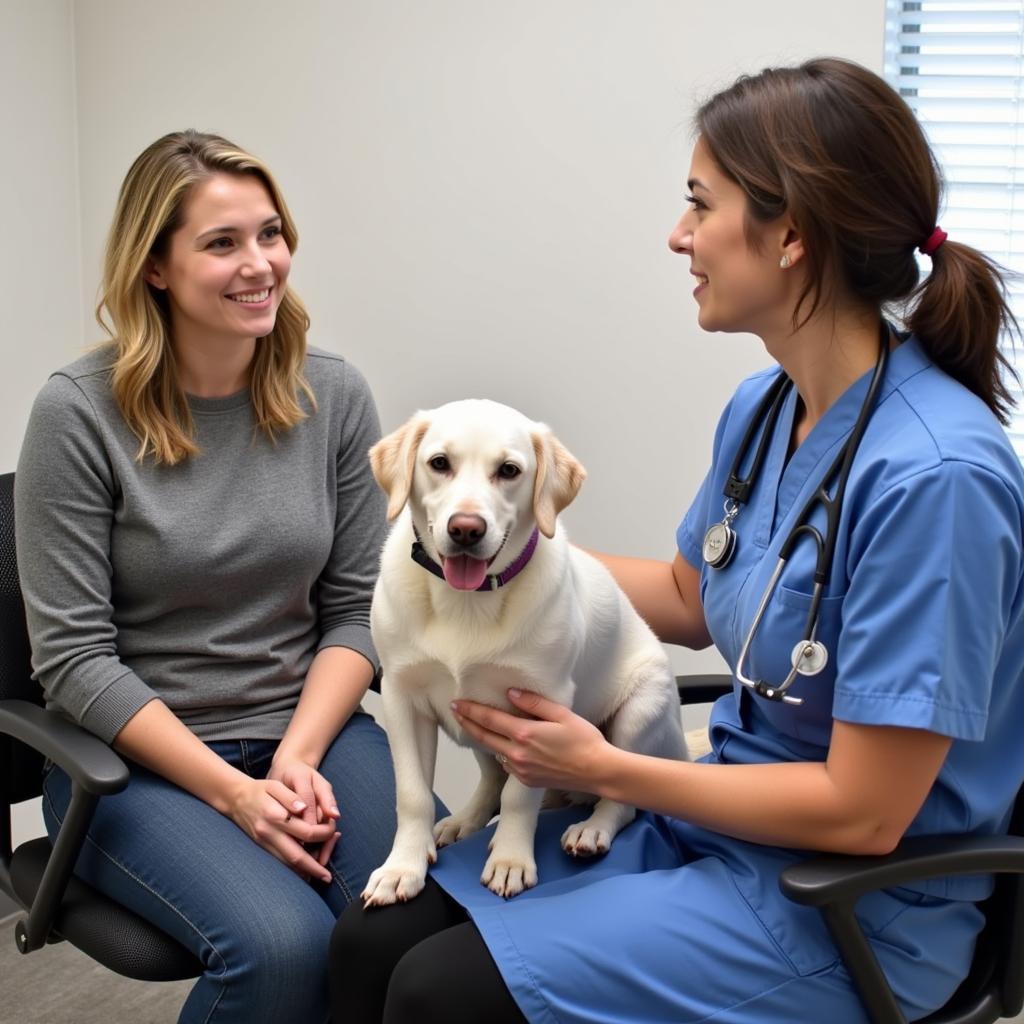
point(261, 932)
point(676, 925)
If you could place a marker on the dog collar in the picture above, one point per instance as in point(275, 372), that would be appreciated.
point(492, 580)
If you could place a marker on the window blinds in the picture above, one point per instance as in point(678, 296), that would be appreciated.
point(959, 64)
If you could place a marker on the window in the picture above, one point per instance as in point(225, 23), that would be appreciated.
point(959, 65)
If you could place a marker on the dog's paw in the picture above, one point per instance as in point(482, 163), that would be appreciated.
point(509, 876)
point(584, 840)
point(393, 884)
point(456, 826)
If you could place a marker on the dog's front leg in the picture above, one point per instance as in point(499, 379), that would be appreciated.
point(481, 806)
point(511, 868)
point(647, 722)
point(413, 737)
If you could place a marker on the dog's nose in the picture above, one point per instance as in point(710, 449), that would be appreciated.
point(465, 529)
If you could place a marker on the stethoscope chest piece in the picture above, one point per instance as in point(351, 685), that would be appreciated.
point(719, 545)
point(809, 657)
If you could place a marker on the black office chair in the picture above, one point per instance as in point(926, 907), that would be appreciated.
point(37, 876)
point(833, 883)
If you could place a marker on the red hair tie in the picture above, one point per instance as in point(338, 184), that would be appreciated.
point(935, 239)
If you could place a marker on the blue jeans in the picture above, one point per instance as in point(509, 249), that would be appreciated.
point(259, 930)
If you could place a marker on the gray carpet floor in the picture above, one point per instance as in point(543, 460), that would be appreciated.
point(60, 985)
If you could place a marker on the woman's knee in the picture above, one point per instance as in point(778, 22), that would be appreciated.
point(366, 949)
point(287, 946)
point(451, 977)
point(367, 942)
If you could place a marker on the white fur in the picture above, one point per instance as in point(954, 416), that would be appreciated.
point(561, 628)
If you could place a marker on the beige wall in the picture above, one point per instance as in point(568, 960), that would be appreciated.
point(483, 188)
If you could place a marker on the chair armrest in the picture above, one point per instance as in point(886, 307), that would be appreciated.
point(85, 757)
point(702, 689)
point(836, 878)
point(95, 770)
point(833, 883)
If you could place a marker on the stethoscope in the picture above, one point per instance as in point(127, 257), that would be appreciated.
point(810, 655)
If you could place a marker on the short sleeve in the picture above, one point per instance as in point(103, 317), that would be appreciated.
point(934, 568)
point(690, 532)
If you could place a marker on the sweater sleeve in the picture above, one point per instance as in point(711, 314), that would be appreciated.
point(65, 495)
point(345, 587)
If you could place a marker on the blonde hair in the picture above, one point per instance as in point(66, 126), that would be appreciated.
point(150, 208)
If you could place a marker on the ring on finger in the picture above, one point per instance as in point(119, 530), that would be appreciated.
point(503, 760)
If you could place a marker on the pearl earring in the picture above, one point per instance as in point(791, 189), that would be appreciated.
point(785, 261)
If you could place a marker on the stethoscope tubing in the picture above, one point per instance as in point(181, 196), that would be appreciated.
point(810, 655)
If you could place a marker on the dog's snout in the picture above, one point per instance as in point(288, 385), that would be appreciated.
point(466, 529)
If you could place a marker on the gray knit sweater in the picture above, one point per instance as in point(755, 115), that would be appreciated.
point(210, 584)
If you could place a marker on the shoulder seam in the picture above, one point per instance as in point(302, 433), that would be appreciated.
point(941, 459)
point(64, 371)
point(315, 353)
point(88, 401)
point(987, 470)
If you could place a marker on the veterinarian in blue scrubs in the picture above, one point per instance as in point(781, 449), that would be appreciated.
point(812, 189)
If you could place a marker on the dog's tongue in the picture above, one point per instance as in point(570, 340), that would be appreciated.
point(463, 572)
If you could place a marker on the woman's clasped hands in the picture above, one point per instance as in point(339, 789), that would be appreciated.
point(292, 814)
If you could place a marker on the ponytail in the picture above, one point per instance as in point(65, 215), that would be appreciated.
point(959, 313)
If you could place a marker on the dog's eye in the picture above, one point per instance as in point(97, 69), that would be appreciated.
point(508, 471)
point(440, 464)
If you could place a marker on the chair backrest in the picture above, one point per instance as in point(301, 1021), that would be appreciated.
point(995, 985)
point(1010, 952)
point(20, 768)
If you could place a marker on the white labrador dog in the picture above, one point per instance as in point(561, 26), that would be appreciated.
point(494, 597)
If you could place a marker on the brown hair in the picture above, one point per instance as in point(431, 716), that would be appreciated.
point(150, 208)
point(837, 148)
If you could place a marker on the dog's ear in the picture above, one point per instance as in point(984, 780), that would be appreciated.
point(393, 458)
point(559, 478)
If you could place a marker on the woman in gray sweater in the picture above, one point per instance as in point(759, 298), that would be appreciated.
point(198, 533)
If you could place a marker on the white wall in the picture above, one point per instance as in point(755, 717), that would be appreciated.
point(483, 187)
point(40, 257)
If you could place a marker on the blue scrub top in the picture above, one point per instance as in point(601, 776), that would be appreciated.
point(922, 615)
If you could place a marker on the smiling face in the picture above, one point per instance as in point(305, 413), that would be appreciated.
point(737, 288)
point(225, 268)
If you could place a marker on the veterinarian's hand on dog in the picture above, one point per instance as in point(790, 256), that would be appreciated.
point(274, 814)
point(554, 748)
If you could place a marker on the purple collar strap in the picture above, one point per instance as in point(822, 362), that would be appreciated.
point(492, 581)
